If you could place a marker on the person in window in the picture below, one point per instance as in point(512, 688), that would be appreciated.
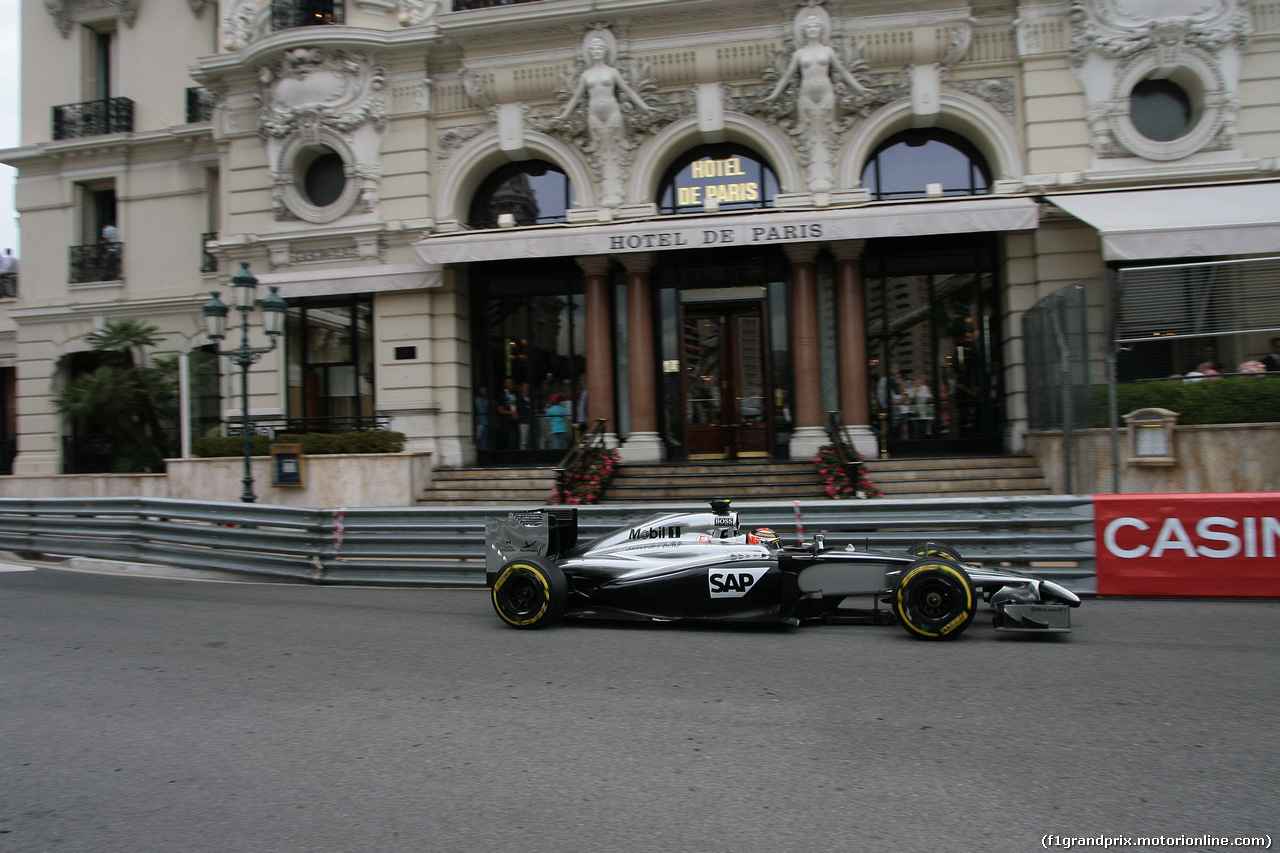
point(557, 421)
point(1203, 370)
point(484, 419)
point(110, 249)
point(508, 415)
point(524, 416)
point(1272, 359)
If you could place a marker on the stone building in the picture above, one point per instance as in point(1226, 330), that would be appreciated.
point(708, 222)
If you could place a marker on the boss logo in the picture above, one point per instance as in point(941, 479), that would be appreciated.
point(733, 584)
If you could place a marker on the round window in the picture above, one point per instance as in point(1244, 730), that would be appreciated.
point(1160, 110)
point(324, 179)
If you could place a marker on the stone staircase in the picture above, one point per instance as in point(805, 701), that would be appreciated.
point(472, 486)
point(964, 476)
point(987, 476)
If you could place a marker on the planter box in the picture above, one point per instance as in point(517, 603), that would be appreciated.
point(333, 480)
point(1220, 458)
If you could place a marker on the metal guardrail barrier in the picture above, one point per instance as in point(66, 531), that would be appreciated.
point(444, 546)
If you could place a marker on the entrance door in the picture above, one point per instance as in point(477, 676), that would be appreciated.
point(726, 374)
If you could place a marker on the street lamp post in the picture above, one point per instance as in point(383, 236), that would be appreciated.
point(244, 288)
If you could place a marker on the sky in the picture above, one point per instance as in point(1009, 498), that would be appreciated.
point(9, 56)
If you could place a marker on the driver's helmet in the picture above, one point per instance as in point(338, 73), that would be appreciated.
point(764, 536)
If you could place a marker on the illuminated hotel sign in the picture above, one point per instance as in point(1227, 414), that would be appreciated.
point(729, 183)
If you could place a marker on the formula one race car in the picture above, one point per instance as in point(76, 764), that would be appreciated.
point(701, 566)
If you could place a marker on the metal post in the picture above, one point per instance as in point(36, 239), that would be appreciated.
point(247, 495)
point(215, 314)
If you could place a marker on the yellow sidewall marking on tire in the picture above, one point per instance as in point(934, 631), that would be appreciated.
point(546, 589)
point(950, 626)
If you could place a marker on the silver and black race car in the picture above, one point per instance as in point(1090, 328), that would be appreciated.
point(702, 566)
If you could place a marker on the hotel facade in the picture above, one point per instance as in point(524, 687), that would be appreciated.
point(706, 223)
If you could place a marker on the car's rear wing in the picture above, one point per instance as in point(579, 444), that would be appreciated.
point(549, 531)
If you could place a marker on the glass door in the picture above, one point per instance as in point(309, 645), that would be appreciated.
point(934, 353)
point(726, 384)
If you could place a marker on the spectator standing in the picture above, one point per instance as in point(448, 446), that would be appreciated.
point(111, 250)
point(557, 423)
point(1272, 359)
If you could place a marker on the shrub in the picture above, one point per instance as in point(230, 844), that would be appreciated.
point(1231, 400)
point(230, 445)
point(312, 443)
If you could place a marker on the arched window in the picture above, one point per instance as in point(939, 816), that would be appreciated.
point(534, 192)
point(717, 177)
point(906, 163)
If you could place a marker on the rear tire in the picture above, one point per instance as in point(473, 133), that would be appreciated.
point(941, 550)
point(530, 592)
point(934, 599)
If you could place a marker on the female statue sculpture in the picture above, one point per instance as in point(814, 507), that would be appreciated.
point(602, 83)
point(815, 59)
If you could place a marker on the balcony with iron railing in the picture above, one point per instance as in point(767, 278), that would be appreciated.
point(290, 14)
point(8, 285)
point(462, 5)
point(93, 118)
point(96, 262)
point(200, 104)
point(209, 261)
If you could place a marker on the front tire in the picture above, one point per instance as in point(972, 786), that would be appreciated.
point(530, 592)
point(934, 599)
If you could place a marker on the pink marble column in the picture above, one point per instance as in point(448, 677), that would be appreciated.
point(599, 340)
point(643, 443)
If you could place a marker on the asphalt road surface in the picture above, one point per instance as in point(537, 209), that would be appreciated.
point(149, 715)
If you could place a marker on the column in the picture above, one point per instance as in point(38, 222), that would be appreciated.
point(644, 444)
point(599, 344)
point(808, 434)
point(851, 341)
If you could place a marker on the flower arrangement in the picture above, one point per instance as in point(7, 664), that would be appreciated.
point(585, 483)
point(844, 481)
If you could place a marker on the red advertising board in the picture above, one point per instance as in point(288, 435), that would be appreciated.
point(1189, 545)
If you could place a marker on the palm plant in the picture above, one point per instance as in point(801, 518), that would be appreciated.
point(128, 397)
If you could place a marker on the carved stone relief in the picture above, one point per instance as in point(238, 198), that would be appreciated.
point(245, 21)
point(610, 104)
point(66, 12)
point(320, 101)
point(1000, 92)
point(449, 140)
point(813, 92)
point(1195, 45)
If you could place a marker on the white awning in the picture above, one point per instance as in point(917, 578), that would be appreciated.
point(1188, 222)
point(962, 216)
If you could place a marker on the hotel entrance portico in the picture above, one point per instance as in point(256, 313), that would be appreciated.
point(704, 336)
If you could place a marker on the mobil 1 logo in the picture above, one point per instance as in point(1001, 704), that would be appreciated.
point(735, 581)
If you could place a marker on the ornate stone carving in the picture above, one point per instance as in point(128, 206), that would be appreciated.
point(997, 91)
point(609, 106)
point(316, 99)
point(451, 139)
point(415, 13)
point(243, 23)
point(67, 12)
point(1196, 44)
point(813, 93)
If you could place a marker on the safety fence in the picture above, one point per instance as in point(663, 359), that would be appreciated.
point(444, 546)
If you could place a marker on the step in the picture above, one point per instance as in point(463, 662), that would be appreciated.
point(748, 480)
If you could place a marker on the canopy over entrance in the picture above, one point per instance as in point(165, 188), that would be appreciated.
point(1217, 221)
